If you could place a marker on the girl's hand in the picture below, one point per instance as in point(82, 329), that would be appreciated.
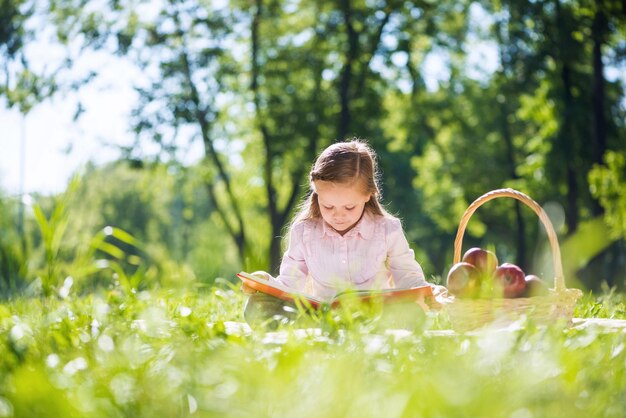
point(440, 296)
point(247, 289)
point(258, 274)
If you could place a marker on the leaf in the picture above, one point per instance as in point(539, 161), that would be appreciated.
point(121, 235)
point(111, 250)
point(41, 221)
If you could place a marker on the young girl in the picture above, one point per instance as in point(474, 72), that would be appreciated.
point(342, 237)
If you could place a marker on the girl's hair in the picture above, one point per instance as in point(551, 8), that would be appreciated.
point(347, 163)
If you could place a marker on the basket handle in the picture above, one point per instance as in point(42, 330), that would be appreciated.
point(559, 281)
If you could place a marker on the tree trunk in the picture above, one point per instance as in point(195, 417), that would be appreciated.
point(235, 228)
point(345, 80)
point(520, 230)
point(566, 135)
point(268, 178)
point(278, 216)
point(598, 30)
point(356, 65)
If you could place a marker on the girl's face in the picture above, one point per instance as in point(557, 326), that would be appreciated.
point(341, 205)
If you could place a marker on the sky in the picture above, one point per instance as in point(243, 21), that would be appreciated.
point(40, 151)
point(46, 146)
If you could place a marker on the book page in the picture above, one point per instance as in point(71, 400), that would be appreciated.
point(420, 290)
point(283, 291)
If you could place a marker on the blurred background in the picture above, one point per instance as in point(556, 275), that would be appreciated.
point(168, 143)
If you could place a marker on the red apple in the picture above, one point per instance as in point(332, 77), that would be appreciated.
point(535, 286)
point(463, 280)
point(511, 279)
point(485, 261)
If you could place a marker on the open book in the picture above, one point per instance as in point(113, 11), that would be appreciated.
point(285, 293)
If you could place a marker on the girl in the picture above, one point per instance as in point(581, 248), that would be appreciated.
point(342, 237)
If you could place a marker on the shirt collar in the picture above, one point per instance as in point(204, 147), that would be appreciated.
point(364, 228)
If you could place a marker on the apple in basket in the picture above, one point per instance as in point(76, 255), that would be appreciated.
point(535, 286)
point(463, 280)
point(511, 279)
point(484, 260)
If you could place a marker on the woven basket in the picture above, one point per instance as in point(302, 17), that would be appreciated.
point(468, 314)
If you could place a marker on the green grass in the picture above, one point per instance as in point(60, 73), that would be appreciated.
point(180, 353)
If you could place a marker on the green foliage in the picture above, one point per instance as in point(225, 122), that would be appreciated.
point(14, 249)
point(608, 185)
point(117, 226)
point(21, 85)
point(63, 262)
point(165, 209)
point(262, 89)
point(184, 353)
point(607, 304)
point(131, 281)
point(12, 15)
point(52, 231)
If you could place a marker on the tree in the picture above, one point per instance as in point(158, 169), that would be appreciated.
point(163, 206)
point(262, 87)
point(322, 60)
point(195, 57)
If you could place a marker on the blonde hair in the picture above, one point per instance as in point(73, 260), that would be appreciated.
point(350, 162)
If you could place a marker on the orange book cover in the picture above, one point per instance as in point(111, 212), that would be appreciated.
point(285, 293)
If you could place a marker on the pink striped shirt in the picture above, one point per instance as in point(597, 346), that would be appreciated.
point(374, 254)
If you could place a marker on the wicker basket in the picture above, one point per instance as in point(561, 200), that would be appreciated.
point(468, 314)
